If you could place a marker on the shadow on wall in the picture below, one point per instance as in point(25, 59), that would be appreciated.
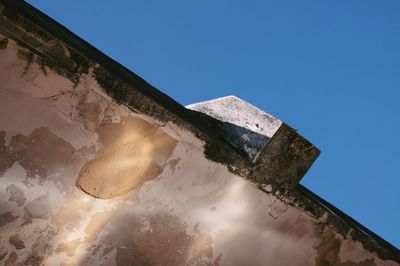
point(245, 141)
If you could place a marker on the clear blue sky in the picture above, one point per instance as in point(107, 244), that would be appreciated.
point(330, 69)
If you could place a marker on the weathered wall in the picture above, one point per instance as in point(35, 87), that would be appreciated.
point(86, 181)
point(190, 210)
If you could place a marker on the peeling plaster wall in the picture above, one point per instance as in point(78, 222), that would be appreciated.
point(179, 208)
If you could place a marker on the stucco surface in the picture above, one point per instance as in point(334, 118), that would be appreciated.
point(86, 181)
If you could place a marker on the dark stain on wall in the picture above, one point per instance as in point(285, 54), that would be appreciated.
point(6, 218)
point(328, 250)
point(40, 151)
point(3, 43)
point(6, 156)
point(16, 242)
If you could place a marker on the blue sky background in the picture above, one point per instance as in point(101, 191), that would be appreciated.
point(330, 69)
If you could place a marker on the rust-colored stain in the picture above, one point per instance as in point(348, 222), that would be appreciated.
point(133, 152)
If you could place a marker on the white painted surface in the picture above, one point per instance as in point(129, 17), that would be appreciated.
point(250, 128)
